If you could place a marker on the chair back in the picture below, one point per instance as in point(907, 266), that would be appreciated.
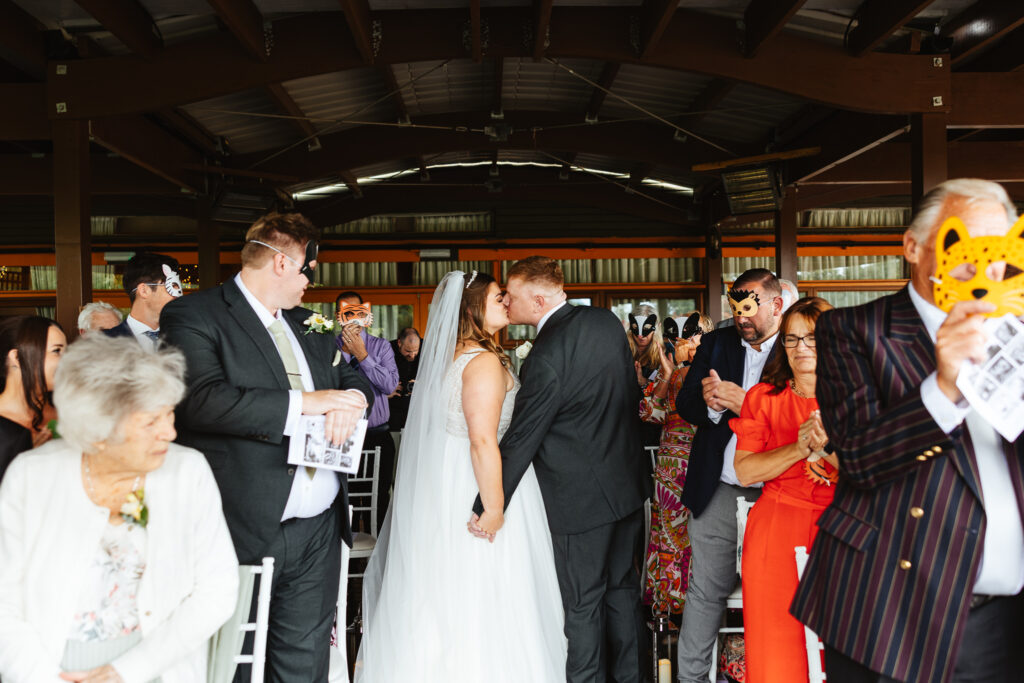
point(226, 645)
point(364, 498)
point(652, 453)
point(742, 510)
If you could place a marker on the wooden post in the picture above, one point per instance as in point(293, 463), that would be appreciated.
point(713, 273)
point(71, 219)
point(786, 223)
point(209, 244)
point(928, 153)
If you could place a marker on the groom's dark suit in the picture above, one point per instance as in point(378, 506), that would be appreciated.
point(234, 412)
point(576, 420)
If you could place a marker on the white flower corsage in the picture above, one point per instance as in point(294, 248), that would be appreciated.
point(134, 508)
point(523, 350)
point(319, 324)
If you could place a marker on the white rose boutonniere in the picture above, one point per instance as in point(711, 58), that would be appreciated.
point(134, 508)
point(523, 350)
point(319, 324)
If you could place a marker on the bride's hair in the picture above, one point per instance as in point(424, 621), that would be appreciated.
point(471, 315)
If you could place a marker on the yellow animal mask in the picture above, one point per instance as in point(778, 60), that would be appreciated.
point(355, 313)
point(744, 302)
point(961, 262)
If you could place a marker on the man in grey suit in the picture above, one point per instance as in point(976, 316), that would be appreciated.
point(252, 371)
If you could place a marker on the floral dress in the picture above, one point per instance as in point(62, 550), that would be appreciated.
point(668, 553)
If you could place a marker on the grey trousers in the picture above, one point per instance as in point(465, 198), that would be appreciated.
point(712, 578)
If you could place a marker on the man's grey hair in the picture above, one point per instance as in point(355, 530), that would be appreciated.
point(100, 381)
point(790, 294)
point(90, 309)
point(931, 210)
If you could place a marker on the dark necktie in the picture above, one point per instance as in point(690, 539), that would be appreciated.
point(154, 336)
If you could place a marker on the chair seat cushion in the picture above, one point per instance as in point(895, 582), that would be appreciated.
point(362, 541)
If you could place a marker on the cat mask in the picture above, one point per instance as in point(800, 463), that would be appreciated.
point(681, 328)
point(642, 327)
point(355, 313)
point(744, 303)
point(961, 262)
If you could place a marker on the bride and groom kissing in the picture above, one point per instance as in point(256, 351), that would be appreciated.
point(543, 582)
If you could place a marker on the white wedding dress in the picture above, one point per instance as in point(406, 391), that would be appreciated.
point(453, 608)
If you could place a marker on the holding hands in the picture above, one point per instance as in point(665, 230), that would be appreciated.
point(720, 395)
point(486, 526)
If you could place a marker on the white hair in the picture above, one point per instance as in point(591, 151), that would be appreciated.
point(931, 210)
point(90, 309)
point(100, 381)
point(790, 294)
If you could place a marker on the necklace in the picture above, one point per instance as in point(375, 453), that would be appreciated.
point(792, 386)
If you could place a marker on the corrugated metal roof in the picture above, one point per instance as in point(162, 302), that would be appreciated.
point(662, 91)
point(748, 114)
point(330, 99)
point(437, 87)
point(232, 117)
point(534, 86)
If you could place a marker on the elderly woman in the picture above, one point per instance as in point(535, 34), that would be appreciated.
point(668, 552)
point(30, 348)
point(780, 441)
point(117, 563)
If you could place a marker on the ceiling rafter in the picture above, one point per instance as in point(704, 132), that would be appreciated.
point(360, 26)
point(297, 118)
point(245, 22)
point(604, 84)
point(497, 105)
point(706, 101)
point(879, 19)
point(763, 19)
point(397, 98)
point(842, 136)
point(981, 26)
point(655, 16)
point(1006, 55)
point(145, 144)
point(129, 22)
point(185, 124)
point(307, 45)
point(541, 27)
point(21, 41)
point(476, 45)
point(351, 182)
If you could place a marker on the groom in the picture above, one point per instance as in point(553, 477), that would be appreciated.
point(576, 420)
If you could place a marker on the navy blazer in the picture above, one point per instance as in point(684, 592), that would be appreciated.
point(721, 350)
point(891, 572)
point(121, 330)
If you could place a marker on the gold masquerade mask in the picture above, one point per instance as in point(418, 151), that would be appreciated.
point(744, 303)
point(961, 262)
point(355, 313)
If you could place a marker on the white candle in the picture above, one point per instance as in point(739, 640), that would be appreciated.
point(664, 671)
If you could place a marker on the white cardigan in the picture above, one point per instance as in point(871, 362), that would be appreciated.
point(50, 531)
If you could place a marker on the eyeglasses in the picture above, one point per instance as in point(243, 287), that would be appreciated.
point(791, 341)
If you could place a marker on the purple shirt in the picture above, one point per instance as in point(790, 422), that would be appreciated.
point(380, 369)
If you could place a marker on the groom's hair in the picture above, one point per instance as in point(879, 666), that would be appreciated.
point(282, 230)
point(539, 269)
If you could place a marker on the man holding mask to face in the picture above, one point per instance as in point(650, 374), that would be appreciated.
point(374, 359)
point(728, 362)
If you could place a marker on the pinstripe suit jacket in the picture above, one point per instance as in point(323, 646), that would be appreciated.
point(890, 575)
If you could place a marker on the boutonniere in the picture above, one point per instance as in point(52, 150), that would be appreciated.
point(134, 509)
point(319, 324)
point(523, 350)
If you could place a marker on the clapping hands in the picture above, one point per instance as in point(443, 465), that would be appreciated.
point(722, 395)
point(812, 436)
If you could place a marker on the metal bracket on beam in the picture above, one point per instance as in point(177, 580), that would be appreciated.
point(377, 36)
point(268, 37)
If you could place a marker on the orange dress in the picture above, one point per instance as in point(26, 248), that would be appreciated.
point(784, 517)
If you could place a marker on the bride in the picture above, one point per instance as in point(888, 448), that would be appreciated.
point(439, 604)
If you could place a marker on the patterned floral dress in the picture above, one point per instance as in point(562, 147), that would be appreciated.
point(668, 554)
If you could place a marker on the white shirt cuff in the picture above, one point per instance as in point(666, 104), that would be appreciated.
point(947, 415)
point(294, 411)
point(366, 400)
point(715, 415)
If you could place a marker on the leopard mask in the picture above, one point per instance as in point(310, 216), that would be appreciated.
point(954, 247)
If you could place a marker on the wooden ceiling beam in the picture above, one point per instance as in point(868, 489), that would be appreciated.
point(655, 16)
point(351, 182)
point(842, 136)
point(360, 26)
point(604, 84)
point(1006, 55)
point(397, 99)
point(23, 175)
point(476, 45)
point(981, 26)
point(21, 41)
point(879, 19)
point(705, 102)
point(763, 19)
point(145, 144)
point(186, 125)
point(541, 27)
point(497, 107)
point(993, 100)
point(23, 115)
point(308, 45)
point(245, 22)
point(298, 118)
point(129, 22)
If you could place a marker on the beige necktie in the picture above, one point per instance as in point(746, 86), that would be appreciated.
point(291, 365)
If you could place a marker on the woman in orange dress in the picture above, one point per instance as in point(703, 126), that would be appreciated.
point(780, 441)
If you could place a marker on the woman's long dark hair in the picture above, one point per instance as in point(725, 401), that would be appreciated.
point(471, 315)
point(27, 334)
point(777, 372)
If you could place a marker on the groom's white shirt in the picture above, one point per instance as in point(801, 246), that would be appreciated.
point(548, 315)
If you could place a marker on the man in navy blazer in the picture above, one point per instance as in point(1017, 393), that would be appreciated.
point(917, 569)
point(728, 362)
point(151, 281)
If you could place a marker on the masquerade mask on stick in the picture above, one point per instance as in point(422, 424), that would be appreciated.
point(641, 327)
point(744, 302)
point(961, 262)
point(355, 313)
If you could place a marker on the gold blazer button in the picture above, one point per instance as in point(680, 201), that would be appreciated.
point(905, 565)
point(922, 457)
point(916, 513)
